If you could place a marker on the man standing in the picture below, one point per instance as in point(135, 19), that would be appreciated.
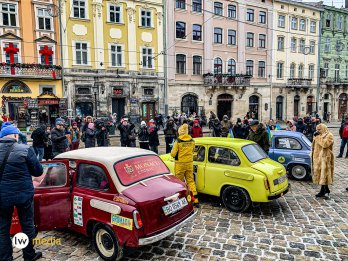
point(125, 130)
point(169, 133)
point(59, 138)
point(226, 125)
point(344, 137)
point(183, 153)
point(18, 164)
point(39, 138)
point(258, 134)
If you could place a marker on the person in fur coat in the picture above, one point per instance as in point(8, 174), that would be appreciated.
point(322, 159)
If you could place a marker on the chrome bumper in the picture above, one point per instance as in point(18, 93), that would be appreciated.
point(153, 239)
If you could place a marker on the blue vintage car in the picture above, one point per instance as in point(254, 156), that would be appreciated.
point(292, 149)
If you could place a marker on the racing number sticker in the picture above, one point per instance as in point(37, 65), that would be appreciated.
point(78, 211)
point(120, 221)
point(281, 159)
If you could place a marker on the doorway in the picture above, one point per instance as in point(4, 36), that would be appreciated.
point(342, 105)
point(310, 104)
point(297, 105)
point(84, 109)
point(149, 109)
point(189, 104)
point(118, 105)
point(279, 107)
point(224, 105)
point(14, 109)
point(254, 107)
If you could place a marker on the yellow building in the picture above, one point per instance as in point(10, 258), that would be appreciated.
point(112, 57)
point(30, 75)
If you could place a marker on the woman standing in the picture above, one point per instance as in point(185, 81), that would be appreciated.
point(143, 136)
point(90, 136)
point(322, 159)
point(153, 136)
point(48, 155)
point(75, 136)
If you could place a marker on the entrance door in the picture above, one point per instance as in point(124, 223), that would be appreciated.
point(342, 105)
point(254, 106)
point(296, 105)
point(310, 104)
point(118, 105)
point(326, 109)
point(224, 106)
point(84, 109)
point(279, 108)
point(14, 109)
point(189, 104)
point(149, 109)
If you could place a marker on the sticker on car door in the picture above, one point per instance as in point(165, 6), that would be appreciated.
point(77, 211)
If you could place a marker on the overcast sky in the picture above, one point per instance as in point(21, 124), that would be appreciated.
point(337, 3)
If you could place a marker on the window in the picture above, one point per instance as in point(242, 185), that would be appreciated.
point(197, 6)
point(339, 45)
point(54, 175)
point(114, 14)
point(311, 71)
point(300, 71)
point(292, 70)
point(262, 69)
point(280, 70)
point(223, 156)
point(116, 55)
point(328, 20)
point(232, 11)
point(47, 90)
point(146, 18)
point(197, 32)
point(181, 64)
point(46, 57)
point(281, 21)
point(180, 30)
point(231, 70)
point(302, 46)
point(254, 153)
point(293, 44)
point(339, 23)
point(262, 41)
point(311, 47)
point(326, 70)
point(79, 7)
point(92, 177)
point(81, 53)
point(327, 44)
point(218, 35)
point(9, 12)
point(84, 90)
point(313, 27)
point(218, 8)
point(197, 65)
point(149, 91)
point(262, 17)
point(302, 24)
point(217, 66)
point(250, 40)
point(147, 58)
point(44, 19)
point(181, 4)
point(287, 143)
point(232, 37)
point(250, 67)
point(199, 154)
point(280, 43)
point(294, 23)
point(337, 71)
point(250, 15)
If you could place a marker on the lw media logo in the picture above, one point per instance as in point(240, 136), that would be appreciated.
point(20, 240)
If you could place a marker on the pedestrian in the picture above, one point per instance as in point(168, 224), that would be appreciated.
point(125, 129)
point(39, 138)
point(258, 134)
point(290, 126)
point(48, 155)
point(78, 121)
point(239, 130)
point(153, 136)
point(169, 131)
point(182, 152)
point(196, 130)
point(27, 122)
point(114, 119)
point(88, 120)
point(18, 164)
point(226, 125)
point(216, 126)
point(59, 138)
point(101, 134)
point(322, 159)
point(300, 126)
point(328, 116)
point(90, 136)
point(75, 136)
point(344, 137)
point(132, 138)
point(159, 120)
point(143, 136)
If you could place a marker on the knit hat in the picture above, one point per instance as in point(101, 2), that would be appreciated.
point(5, 124)
point(143, 123)
point(74, 123)
point(183, 129)
point(254, 122)
point(8, 130)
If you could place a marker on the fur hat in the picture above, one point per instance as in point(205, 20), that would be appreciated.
point(183, 129)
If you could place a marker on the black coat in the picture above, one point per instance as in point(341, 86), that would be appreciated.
point(240, 132)
point(90, 138)
point(39, 138)
point(125, 131)
point(58, 140)
point(153, 137)
point(143, 134)
point(102, 137)
point(17, 186)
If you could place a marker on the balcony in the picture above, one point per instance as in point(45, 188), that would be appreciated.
point(226, 80)
point(334, 81)
point(299, 82)
point(30, 71)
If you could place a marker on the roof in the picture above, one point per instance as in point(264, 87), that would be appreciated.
point(287, 133)
point(302, 4)
point(104, 154)
point(223, 141)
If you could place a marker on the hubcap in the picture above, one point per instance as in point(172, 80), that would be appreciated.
point(299, 172)
point(105, 243)
point(234, 199)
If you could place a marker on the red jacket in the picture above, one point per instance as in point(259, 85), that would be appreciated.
point(196, 132)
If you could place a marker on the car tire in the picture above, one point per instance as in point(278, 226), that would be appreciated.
point(106, 243)
point(236, 199)
point(299, 172)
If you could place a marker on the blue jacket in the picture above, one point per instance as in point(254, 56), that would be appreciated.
point(16, 186)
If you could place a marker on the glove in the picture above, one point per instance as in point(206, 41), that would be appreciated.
point(316, 133)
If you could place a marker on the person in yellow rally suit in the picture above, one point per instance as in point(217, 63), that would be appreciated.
point(183, 153)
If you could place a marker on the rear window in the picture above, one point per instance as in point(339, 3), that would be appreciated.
point(254, 152)
point(136, 169)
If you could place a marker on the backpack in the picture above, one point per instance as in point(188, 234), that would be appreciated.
point(345, 132)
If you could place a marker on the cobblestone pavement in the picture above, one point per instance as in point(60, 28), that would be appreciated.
point(295, 227)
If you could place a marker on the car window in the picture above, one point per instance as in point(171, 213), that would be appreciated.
point(92, 177)
point(287, 143)
point(224, 156)
point(254, 152)
point(54, 175)
point(307, 141)
point(199, 153)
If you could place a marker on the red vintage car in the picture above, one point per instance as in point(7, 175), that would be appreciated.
point(118, 196)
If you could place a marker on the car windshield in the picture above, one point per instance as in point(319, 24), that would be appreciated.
point(133, 170)
point(254, 152)
point(307, 141)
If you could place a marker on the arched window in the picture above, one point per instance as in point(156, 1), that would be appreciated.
point(189, 104)
point(310, 104)
point(253, 107)
point(231, 70)
point(292, 70)
point(217, 66)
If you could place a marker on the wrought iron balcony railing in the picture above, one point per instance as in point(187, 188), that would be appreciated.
point(226, 80)
point(299, 82)
point(31, 71)
point(335, 81)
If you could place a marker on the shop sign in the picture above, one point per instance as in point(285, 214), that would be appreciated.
point(133, 100)
point(48, 102)
point(116, 91)
point(32, 104)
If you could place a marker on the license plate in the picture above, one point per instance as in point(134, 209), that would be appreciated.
point(280, 180)
point(174, 206)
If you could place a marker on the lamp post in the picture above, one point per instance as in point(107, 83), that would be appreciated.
point(95, 91)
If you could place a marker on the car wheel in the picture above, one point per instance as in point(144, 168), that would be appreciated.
point(236, 199)
point(106, 243)
point(299, 172)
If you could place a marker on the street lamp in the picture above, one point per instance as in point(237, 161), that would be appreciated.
point(95, 91)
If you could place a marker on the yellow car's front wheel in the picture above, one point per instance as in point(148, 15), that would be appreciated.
point(236, 199)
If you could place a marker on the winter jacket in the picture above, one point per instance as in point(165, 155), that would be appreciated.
point(59, 141)
point(300, 127)
point(216, 126)
point(153, 136)
point(72, 134)
point(170, 130)
point(260, 136)
point(102, 137)
point(183, 149)
point(196, 132)
point(143, 134)
point(125, 131)
point(341, 129)
point(90, 138)
point(239, 131)
point(225, 127)
point(16, 186)
point(39, 138)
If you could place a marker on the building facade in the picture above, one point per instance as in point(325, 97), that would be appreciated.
point(334, 62)
point(113, 58)
point(30, 75)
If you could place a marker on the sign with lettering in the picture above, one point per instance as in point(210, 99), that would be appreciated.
point(32, 104)
point(16, 89)
point(48, 101)
point(116, 91)
point(63, 107)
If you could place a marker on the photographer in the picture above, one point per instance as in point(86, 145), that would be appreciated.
point(101, 133)
point(125, 130)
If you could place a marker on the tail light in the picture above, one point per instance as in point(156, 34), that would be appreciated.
point(266, 184)
point(137, 219)
point(192, 196)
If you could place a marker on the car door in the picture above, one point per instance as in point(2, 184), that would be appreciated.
point(285, 149)
point(199, 162)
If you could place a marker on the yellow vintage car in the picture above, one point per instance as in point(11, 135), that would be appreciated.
point(236, 170)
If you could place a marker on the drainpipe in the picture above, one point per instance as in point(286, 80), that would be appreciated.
point(165, 98)
point(61, 43)
point(318, 70)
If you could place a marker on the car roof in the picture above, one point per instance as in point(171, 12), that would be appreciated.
point(233, 142)
point(287, 133)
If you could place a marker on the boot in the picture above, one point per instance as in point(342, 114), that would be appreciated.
point(327, 190)
point(322, 192)
point(339, 156)
point(196, 202)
